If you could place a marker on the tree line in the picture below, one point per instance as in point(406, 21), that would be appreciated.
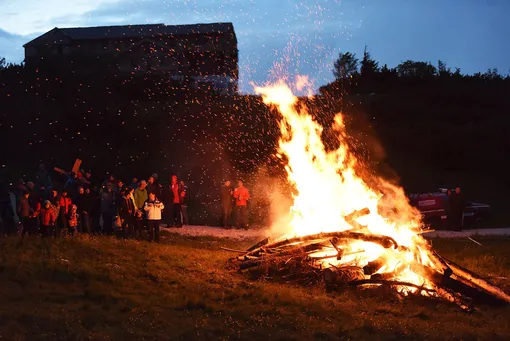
point(366, 74)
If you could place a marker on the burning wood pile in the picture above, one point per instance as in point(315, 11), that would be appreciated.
point(329, 258)
point(346, 226)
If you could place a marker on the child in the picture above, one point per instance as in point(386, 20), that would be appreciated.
point(153, 208)
point(139, 224)
point(48, 218)
point(73, 220)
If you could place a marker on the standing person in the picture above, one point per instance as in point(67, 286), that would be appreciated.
point(118, 194)
point(226, 195)
point(176, 191)
point(241, 195)
point(447, 209)
point(95, 215)
point(54, 198)
point(20, 189)
point(139, 224)
point(78, 201)
point(64, 209)
point(78, 198)
point(86, 209)
point(184, 204)
point(48, 219)
point(87, 180)
point(109, 182)
point(134, 183)
point(55, 206)
point(24, 213)
point(153, 208)
point(106, 210)
point(127, 213)
point(72, 184)
point(73, 221)
point(141, 195)
point(42, 177)
point(35, 205)
point(151, 185)
point(457, 206)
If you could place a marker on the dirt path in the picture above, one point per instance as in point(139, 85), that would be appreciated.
point(213, 231)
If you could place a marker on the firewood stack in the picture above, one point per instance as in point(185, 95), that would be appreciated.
point(299, 260)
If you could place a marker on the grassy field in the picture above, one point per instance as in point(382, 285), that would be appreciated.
point(184, 288)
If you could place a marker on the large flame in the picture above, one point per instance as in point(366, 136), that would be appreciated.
point(329, 186)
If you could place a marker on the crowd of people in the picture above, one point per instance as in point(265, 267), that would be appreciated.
point(135, 210)
point(38, 207)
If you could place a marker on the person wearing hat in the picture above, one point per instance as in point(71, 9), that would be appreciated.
point(47, 219)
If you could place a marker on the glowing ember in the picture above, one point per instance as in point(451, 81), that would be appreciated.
point(330, 185)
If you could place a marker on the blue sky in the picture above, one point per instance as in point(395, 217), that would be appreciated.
point(305, 35)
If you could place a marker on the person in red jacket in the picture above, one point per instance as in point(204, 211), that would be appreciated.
point(241, 196)
point(48, 218)
point(64, 209)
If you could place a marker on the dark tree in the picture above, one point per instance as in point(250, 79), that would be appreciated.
point(345, 66)
point(421, 70)
point(443, 70)
point(369, 67)
point(492, 74)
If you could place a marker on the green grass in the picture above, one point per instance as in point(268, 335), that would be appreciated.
point(185, 288)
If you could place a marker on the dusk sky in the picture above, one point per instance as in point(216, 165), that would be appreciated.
point(307, 35)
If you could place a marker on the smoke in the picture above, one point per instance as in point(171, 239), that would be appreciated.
point(273, 199)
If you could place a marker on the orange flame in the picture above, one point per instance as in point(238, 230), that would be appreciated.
point(328, 188)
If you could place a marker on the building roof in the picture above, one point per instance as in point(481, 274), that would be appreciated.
point(141, 31)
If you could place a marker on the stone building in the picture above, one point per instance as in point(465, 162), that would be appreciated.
point(199, 54)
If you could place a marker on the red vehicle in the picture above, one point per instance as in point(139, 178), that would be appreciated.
point(434, 207)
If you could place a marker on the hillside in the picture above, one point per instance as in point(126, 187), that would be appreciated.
point(104, 288)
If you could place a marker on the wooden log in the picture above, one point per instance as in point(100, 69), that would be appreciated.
point(250, 264)
point(391, 283)
point(76, 166)
point(61, 171)
point(259, 244)
point(477, 281)
point(338, 256)
point(447, 295)
point(356, 214)
point(342, 275)
point(428, 273)
point(447, 271)
point(384, 241)
point(291, 252)
point(351, 218)
point(373, 266)
point(452, 283)
point(231, 250)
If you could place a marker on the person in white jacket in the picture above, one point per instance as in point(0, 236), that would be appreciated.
point(153, 208)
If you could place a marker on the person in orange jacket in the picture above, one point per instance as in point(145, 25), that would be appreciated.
point(241, 196)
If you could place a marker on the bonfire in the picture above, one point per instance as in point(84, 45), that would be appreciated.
point(348, 227)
